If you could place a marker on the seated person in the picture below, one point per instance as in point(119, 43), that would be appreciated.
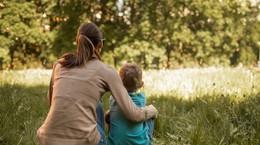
point(121, 130)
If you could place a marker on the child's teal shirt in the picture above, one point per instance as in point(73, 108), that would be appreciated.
point(123, 131)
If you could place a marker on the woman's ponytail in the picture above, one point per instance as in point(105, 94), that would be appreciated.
point(85, 50)
point(88, 37)
point(69, 60)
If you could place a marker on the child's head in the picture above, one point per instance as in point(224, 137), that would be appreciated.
point(131, 76)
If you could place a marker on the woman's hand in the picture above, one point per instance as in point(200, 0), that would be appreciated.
point(153, 111)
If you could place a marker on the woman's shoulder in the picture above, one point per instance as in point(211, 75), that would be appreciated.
point(107, 72)
point(56, 66)
point(104, 68)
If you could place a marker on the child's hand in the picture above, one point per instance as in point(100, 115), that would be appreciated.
point(107, 117)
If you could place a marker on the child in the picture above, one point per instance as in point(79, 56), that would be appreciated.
point(121, 130)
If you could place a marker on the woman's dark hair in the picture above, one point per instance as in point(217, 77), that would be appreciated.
point(88, 37)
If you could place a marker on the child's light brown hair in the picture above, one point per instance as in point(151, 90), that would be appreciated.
point(131, 75)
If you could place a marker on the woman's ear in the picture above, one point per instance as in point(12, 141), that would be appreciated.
point(99, 46)
point(141, 84)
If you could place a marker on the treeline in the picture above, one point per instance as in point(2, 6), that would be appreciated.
point(154, 34)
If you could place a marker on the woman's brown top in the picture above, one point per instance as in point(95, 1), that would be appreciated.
point(72, 116)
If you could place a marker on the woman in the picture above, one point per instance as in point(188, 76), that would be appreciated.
point(78, 82)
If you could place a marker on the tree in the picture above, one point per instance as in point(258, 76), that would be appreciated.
point(189, 33)
point(22, 35)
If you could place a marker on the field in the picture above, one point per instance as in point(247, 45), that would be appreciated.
point(207, 106)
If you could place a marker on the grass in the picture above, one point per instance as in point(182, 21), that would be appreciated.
point(23, 105)
point(211, 106)
point(208, 121)
point(190, 83)
point(22, 111)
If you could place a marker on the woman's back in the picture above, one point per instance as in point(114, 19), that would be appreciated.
point(76, 93)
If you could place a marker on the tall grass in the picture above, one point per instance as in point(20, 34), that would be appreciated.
point(209, 121)
point(23, 105)
point(22, 110)
point(190, 83)
point(196, 106)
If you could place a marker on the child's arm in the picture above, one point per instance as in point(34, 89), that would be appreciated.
point(107, 117)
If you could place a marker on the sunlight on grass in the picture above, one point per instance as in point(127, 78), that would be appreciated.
point(30, 77)
point(185, 83)
point(196, 106)
point(189, 83)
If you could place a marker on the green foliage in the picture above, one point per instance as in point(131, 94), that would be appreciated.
point(247, 56)
point(21, 33)
point(189, 33)
point(144, 53)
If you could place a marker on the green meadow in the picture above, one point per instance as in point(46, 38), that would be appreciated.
point(206, 106)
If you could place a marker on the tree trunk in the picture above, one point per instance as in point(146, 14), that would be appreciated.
point(11, 53)
point(168, 53)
